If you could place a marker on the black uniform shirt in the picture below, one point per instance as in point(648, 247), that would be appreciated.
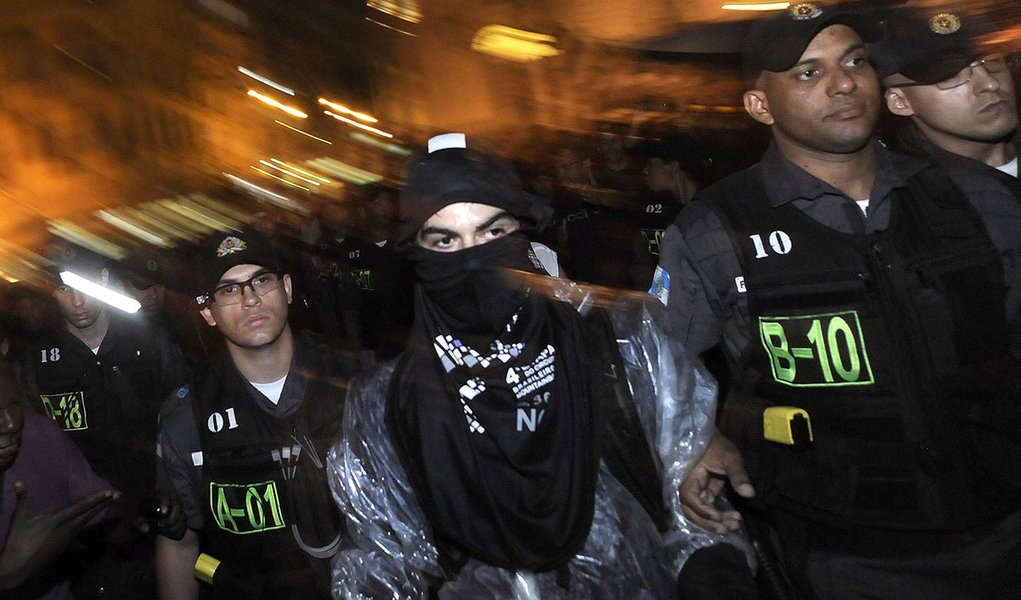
point(997, 197)
point(706, 301)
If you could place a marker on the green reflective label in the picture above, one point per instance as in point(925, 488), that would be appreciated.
point(363, 279)
point(816, 350)
point(244, 509)
point(68, 409)
point(653, 239)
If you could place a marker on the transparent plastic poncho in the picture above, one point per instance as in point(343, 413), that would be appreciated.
point(389, 553)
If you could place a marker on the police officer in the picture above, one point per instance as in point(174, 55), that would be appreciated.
point(956, 100)
point(670, 183)
point(859, 298)
point(371, 281)
point(244, 446)
point(957, 94)
point(102, 377)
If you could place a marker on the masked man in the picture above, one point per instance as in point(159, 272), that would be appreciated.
point(533, 433)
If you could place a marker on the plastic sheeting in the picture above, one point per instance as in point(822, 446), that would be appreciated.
point(389, 553)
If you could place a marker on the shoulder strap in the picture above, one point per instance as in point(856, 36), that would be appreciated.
point(740, 194)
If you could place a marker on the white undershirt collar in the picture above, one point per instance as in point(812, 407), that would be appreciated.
point(271, 390)
point(1009, 168)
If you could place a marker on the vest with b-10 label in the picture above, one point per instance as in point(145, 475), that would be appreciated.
point(895, 343)
point(265, 497)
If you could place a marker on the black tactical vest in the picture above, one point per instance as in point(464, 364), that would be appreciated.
point(108, 403)
point(895, 343)
point(266, 501)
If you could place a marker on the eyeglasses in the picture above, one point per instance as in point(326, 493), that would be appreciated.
point(994, 63)
point(228, 294)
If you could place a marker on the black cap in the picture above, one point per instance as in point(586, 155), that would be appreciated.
point(222, 251)
point(686, 151)
point(145, 268)
point(777, 42)
point(448, 171)
point(928, 46)
point(66, 256)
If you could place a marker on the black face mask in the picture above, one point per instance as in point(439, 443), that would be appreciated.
point(471, 288)
point(515, 496)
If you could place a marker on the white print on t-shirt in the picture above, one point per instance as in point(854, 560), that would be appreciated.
point(216, 420)
point(453, 353)
point(469, 390)
point(530, 412)
point(525, 380)
point(528, 378)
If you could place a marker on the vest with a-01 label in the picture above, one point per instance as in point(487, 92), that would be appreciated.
point(892, 342)
point(265, 498)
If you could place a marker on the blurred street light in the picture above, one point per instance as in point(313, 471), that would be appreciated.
point(275, 104)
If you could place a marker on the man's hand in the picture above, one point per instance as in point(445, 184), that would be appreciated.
point(164, 515)
point(35, 541)
point(171, 522)
point(720, 462)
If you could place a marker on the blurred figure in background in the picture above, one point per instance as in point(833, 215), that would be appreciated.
point(596, 242)
point(102, 376)
point(156, 281)
point(359, 287)
point(671, 167)
point(381, 278)
point(327, 297)
point(29, 312)
point(615, 168)
point(669, 171)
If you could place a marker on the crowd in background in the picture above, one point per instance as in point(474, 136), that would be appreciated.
point(613, 194)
